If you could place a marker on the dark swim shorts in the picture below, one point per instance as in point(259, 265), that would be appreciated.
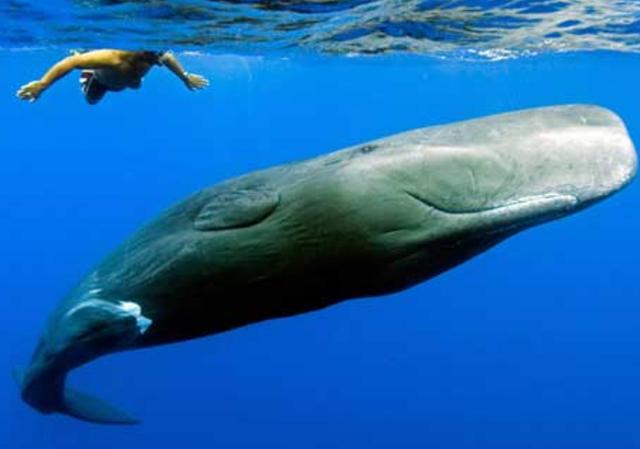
point(92, 89)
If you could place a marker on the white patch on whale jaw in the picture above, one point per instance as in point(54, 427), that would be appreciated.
point(135, 310)
point(115, 309)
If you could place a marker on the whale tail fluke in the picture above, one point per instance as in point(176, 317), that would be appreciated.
point(79, 405)
point(95, 410)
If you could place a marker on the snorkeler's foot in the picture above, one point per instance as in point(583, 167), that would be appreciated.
point(30, 91)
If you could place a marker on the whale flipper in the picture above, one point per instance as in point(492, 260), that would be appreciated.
point(236, 208)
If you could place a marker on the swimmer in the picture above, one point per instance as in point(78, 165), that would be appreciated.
point(110, 71)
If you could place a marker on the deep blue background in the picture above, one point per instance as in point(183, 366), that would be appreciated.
point(535, 344)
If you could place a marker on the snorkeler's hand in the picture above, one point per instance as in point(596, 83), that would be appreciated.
point(194, 81)
point(31, 91)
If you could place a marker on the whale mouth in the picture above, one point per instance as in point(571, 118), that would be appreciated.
point(513, 216)
point(527, 212)
point(543, 201)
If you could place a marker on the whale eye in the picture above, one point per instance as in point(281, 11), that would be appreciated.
point(366, 149)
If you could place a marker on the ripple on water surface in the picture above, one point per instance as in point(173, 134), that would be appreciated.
point(491, 29)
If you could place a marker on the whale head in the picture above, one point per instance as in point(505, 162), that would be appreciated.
point(434, 197)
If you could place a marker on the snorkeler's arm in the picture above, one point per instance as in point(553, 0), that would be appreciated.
point(89, 60)
point(191, 80)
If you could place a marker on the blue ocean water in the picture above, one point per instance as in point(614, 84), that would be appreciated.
point(533, 344)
